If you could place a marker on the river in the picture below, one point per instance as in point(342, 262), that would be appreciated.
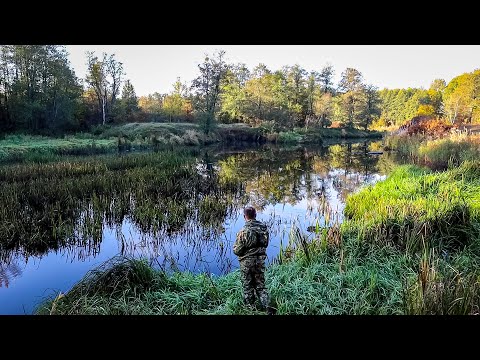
point(291, 187)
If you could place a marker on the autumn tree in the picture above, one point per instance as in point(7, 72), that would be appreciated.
point(176, 105)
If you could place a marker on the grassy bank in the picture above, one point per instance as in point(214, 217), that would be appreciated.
point(441, 153)
point(192, 134)
point(135, 136)
point(25, 147)
point(319, 135)
point(415, 208)
point(387, 258)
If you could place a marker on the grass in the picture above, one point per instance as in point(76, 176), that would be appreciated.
point(351, 279)
point(36, 148)
point(66, 203)
point(157, 136)
point(449, 151)
point(411, 245)
point(296, 288)
point(183, 133)
point(414, 207)
point(319, 135)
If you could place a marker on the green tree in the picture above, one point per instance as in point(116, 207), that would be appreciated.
point(326, 79)
point(176, 105)
point(352, 104)
point(296, 93)
point(129, 102)
point(233, 95)
point(372, 107)
point(38, 89)
point(207, 88)
point(105, 78)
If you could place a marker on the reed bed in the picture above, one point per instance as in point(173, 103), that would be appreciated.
point(66, 203)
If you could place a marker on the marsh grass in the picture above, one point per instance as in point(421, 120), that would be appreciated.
point(442, 289)
point(437, 154)
point(299, 286)
point(67, 203)
point(335, 270)
point(414, 206)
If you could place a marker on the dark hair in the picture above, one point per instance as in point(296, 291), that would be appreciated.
point(250, 212)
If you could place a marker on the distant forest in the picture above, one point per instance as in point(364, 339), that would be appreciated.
point(40, 93)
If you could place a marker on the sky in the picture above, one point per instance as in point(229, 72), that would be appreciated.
point(155, 68)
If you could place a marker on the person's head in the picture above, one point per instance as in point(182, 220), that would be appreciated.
point(249, 213)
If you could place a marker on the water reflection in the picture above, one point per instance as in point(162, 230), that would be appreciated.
point(8, 271)
point(192, 227)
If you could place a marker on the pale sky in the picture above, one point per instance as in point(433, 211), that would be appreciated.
point(154, 68)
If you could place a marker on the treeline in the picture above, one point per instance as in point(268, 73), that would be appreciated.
point(456, 102)
point(40, 93)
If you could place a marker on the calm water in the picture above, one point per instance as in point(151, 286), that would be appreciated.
point(290, 187)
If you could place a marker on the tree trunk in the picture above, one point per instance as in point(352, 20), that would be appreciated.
point(103, 110)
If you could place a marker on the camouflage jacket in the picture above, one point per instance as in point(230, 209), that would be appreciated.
point(252, 240)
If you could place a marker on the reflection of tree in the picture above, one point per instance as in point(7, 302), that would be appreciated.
point(64, 205)
point(287, 176)
point(354, 166)
point(7, 272)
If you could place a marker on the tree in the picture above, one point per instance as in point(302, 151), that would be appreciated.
point(295, 92)
point(326, 78)
point(311, 92)
point(105, 78)
point(459, 98)
point(323, 107)
point(129, 102)
point(351, 80)
point(353, 99)
point(438, 85)
point(207, 88)
point(38, 89)
point(260, 70)
point(176, 105)
point(372, 106)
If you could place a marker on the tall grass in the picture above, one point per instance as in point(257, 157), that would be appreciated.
point(440, 153)
point(413, 207)
point(359, 267)
point(445, 153)
point(67, 203)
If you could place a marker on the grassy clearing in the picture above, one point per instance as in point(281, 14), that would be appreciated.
point(33, 148)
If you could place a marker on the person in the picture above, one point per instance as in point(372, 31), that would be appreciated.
point(250, 247)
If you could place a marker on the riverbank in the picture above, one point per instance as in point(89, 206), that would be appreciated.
point(437, 153)
point(391, 260)
point(138, 136)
